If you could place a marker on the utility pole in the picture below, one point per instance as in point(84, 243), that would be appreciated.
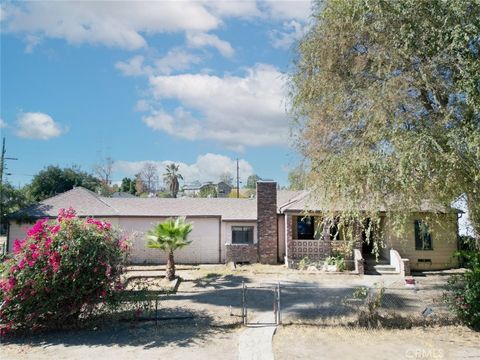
point(2, 169)
point(238, 181)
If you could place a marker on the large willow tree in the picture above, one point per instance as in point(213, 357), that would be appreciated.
point(386, 95)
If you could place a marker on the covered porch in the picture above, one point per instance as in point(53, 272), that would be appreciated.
point(310, 236)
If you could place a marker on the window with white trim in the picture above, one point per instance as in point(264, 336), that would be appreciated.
point(242, 234)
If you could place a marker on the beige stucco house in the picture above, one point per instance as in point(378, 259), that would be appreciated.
point(274, 227)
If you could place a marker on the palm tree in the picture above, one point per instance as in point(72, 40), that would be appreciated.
point(169, 236)
point(171, 177)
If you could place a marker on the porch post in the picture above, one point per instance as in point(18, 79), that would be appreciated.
point(326, 248)
point(288, 236)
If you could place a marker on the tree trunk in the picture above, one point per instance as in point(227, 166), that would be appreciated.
point(170, 266)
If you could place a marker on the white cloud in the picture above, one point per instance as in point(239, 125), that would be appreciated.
point(3, 124)
point(111, 23)
point(288, 9)
point(200, 40)
point(293, 31)
point(236, 111)
point(133, 67)
point(228, 8)
point(176, 59)
point(37, 126)
point(124, 24)
point(207, 167)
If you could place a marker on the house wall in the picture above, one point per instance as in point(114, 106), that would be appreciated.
point(204, 248)
point(16, 231)
point(444, 242)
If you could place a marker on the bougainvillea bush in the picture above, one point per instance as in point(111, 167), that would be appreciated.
point(60, 273)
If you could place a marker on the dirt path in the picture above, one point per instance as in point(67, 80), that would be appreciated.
point(339, 343)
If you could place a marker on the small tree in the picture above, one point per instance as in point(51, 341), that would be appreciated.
point(169, 236)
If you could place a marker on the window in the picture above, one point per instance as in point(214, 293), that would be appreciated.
point(423, 238)
point(242, 234)
point(305, 228)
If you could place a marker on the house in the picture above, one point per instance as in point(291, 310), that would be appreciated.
point(272, 228)
point(221, 189)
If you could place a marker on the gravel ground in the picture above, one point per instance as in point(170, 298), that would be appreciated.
point(168, 341)
point(211, 296)
point(449, 343)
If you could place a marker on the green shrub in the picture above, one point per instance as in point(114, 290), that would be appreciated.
point(463, 291)
point(336, 259)
point(60, 273)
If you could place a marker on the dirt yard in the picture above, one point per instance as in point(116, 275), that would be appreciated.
point(449, 343)
point(208, 298)
point(168, 341)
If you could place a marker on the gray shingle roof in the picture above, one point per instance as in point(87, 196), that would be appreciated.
point(87, 203)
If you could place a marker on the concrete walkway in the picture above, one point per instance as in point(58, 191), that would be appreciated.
point(256, 341)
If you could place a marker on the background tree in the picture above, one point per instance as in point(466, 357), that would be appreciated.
point(169, 236)
point(386, 98)
point(171, 177)
point(140, 186)
point(54, 180)
point(149, 176)
point(103, 170)
point(252, 181)
point(208, 190)
point(128, 185)
point(227, 178)
point(297, 178)
point(12, 200)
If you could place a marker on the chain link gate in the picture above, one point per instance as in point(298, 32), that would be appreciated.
point(248, 294)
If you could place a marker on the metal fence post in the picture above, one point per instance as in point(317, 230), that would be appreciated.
point(156, 311)
point(279, 317)
point(244, 304)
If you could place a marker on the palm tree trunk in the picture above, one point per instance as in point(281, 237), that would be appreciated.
point(170, 266)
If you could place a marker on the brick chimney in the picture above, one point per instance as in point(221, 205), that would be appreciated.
point(267, 222)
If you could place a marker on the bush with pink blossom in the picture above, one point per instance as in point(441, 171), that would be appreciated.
point(60, 273)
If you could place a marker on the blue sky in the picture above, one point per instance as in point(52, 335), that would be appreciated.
point(199, 83)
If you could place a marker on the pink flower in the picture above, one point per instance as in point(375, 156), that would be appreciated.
point(18, 245)
point(37, 230)
point(123, 244)
point(21, 264)
point(66, 214)
point(8, 284)
point(55, 229)
point(48, 242)
point(54, 261)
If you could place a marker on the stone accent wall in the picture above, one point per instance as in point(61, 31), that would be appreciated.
point(267, 221)
point(238, 253)
point(313, 249)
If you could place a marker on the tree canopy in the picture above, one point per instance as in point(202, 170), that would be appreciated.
point(54, 180)
point(386, 97)
point(252, 181)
